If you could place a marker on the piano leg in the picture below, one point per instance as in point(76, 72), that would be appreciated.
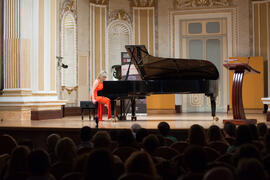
point(112, 107)
point(213, 107)
point(122, 110)
point(133, 109)
point(82, 114)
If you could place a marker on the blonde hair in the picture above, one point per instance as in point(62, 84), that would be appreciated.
point(101, 74)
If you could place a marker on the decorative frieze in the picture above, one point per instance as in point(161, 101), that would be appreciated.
point(100, 2)
point(69, 89)
point(182, 4)
point(69, 6)
point(143, 3)
point(119, 15)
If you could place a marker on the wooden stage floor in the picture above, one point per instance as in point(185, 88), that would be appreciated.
point(176, 121)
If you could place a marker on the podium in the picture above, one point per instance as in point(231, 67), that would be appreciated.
point(239, 117)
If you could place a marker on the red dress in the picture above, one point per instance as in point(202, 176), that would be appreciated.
point(101, 101)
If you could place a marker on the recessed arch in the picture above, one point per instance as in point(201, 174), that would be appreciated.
point(69, 77)
point(118, 34)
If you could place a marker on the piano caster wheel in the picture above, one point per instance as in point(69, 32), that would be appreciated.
point(215, 118)
point(112, 119)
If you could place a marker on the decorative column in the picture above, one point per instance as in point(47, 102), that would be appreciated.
point(261, 40)
point(144, 24)
point(261, 33)
point(29, 61)
point(144, 34)
point(1, 46)
point(98, 22)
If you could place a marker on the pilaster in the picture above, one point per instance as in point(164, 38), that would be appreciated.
point(29, 61)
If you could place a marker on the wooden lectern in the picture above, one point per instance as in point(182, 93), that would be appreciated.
point(239, 69)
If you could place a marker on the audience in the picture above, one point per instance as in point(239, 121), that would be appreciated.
point(7, 144)
point(249, 169)
point(229, 130)
point(247, 156)
point(262, 129)
point(164, 130)
point(214, 134)
point(52, 140)
point(135, 128)
point(220, 173)
point(141, 162)
point(196, 135)
point(85, 136)
point(65, 151)
point(150, 143)
point(243, 136)
point(102, 139)
point(17, 164)
point(266, 140)
point(39, 166)
point(141, 133)
point(126, 138)
point(254, 132)
point(99, 165)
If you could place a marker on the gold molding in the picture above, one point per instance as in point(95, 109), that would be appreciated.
point(119, 15)
point(182, 4)
point(70, 89)
point(143, 3)
point(100, 2)
point(68, 6)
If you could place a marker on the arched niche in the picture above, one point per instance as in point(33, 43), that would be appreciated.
point(119, 34)
point(69, 84)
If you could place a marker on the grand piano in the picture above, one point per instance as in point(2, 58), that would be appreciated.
point(162, 76)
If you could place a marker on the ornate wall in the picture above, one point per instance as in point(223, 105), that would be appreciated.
point(118, 34)
point(68, 42)
point(1, 47)
point(152, 23)
point(29, 61)
point(101, 28)
point(261, 36)
point(98, 22)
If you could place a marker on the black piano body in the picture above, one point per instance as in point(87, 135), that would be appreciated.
point(162, 76)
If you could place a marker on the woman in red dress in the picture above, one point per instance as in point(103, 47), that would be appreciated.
point(97, 86)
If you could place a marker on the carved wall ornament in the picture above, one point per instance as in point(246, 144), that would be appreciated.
point(181, 4)
point(143, 3)
point(69, 6)
point(69, 89)
point(119, 15)
point(100, 2)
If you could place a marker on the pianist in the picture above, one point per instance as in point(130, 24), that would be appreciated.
point(97, 86)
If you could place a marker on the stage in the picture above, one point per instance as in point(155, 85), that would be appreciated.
point(37, 131)
point(176, 121)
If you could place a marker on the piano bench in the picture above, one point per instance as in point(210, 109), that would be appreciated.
point(90, 106)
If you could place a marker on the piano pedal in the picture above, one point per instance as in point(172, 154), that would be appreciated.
point(215, 118)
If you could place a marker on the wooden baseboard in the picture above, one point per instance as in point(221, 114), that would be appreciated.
point(178, 109)
point(249, 111)
point(73, 111)
point(160, 111)
point(48, 114)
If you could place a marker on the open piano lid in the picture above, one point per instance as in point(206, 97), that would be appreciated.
point(151, 68)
